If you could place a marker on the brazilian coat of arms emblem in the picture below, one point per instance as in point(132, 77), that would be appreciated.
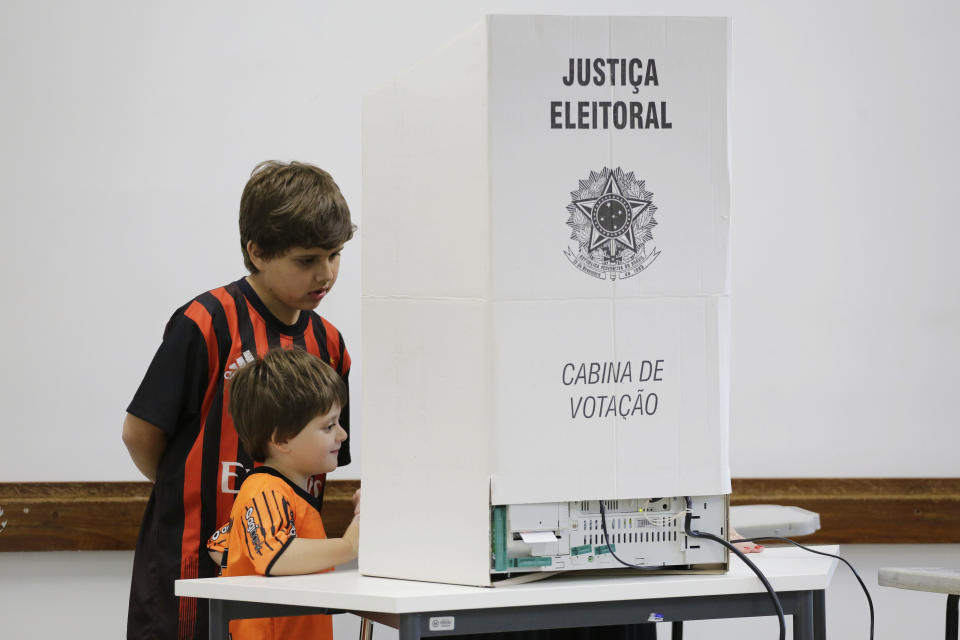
point(612, 221)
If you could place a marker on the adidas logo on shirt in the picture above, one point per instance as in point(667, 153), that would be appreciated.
point(245, 358)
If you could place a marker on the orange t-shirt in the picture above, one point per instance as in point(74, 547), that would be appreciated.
point(269, 512)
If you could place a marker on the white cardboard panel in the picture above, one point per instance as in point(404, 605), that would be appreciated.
point(426, 445)
point(725, 364)
point(537, 171)
point(541, 453)
point(533, 167)
point(426, 229)
point(678, 448)
point(687, 167)
point(643, 418)
point(709, 465)
point(472, 309)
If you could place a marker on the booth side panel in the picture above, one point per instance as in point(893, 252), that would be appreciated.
point(426, 244)
point(426, 440)
point(425, 227)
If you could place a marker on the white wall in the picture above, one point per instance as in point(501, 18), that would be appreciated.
point(128, 130)
point(846, 321)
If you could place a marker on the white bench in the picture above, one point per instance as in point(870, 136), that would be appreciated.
point(935, 580)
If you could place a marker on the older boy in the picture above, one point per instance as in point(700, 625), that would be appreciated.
point(286, 409)
point(178, 430)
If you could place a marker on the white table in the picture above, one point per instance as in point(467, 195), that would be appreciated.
point(423, 609)
point(932, 579)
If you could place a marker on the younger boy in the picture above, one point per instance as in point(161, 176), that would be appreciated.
point(286, 409)
point(178, 430)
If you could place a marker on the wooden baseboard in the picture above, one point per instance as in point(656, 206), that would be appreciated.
point(105, 516)
point(52, 516)
point(865, 510)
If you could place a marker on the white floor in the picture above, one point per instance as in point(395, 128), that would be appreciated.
point(81, 595)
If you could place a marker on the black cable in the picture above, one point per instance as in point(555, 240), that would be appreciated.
point(829, 555)
point(606, 540)
point(709, 536)
point(746, 560)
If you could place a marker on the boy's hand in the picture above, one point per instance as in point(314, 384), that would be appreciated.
point(356, 502)
point(309, 555)
point(745, 547)
point(352, 535)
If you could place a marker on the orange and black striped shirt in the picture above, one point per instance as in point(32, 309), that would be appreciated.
point(183, 393)
point(269, 513)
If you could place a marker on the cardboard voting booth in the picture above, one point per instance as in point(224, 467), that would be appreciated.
point(545, 281)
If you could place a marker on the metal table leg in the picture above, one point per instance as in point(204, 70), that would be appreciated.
point(218, 623)
point(953, 600)
point(820, 615)
point(409, 627)
point(803, 627)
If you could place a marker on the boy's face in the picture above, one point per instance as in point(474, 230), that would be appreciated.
point(297, 280)
point(314, 450)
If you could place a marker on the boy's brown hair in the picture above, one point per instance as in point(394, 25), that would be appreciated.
point(275, 397)
point(286, 205)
